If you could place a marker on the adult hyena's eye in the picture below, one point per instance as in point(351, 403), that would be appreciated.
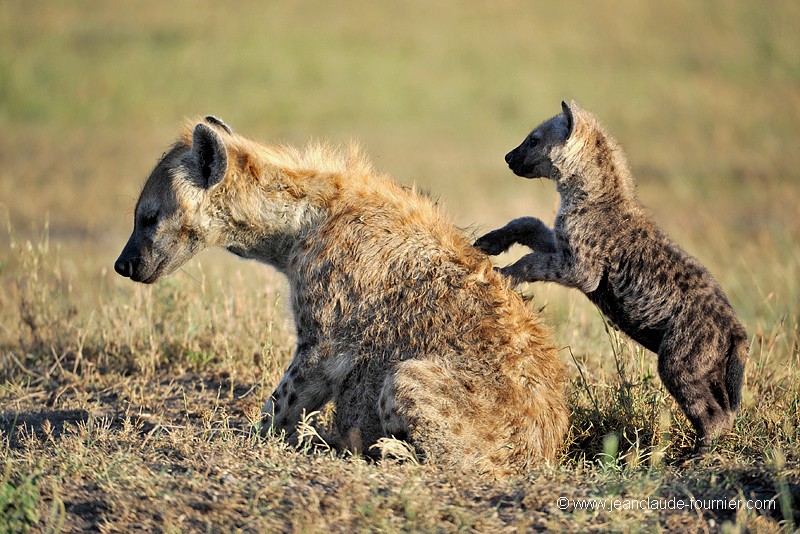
point(149, 219)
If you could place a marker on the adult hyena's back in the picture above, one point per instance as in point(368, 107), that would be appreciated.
point(391, 285)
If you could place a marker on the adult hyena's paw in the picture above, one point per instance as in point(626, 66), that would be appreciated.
point(492, 243)
point(273, 425)
point(268, 418)
point(274, 419)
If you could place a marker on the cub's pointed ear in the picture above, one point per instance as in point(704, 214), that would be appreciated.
point(210, 156)
point(568, 115)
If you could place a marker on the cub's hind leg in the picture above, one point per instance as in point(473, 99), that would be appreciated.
point(695, 373)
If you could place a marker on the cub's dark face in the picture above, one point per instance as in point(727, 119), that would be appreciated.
point(534, 157)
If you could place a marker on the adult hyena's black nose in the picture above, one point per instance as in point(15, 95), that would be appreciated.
point(509, 157)
point(129, 258)
point(124, 268)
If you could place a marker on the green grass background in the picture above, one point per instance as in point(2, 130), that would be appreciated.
point(703, 96)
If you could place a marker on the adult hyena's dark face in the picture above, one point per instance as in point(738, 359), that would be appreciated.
point(533, 158)
point(157, 245)
point(170, 215)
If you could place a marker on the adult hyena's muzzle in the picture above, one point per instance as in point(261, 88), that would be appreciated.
point(124, 267)
point(128, 261)
point(132, 263)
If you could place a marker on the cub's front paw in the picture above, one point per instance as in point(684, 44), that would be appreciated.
point(491, 244)
point(513, 273)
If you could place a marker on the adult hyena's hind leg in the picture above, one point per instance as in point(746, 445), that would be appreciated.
point(418, 404)
point(445, 418)
point(697, 376)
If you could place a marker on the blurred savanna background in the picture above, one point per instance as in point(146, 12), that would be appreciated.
point(123, 406)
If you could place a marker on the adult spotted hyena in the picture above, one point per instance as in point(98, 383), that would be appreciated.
point(400, 322)
point(605, 244)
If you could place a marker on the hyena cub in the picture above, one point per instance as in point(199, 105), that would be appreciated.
point(605, 244)
point(400, 321)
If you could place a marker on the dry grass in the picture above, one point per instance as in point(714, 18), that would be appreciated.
point(126, 408)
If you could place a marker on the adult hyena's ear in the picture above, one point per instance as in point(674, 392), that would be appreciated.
point(209, 155)
point(211, 119)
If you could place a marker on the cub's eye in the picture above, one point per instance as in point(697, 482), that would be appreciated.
point(535, 140)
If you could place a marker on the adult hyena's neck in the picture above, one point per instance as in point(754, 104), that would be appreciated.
point(273, 235)
point(265, 210)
